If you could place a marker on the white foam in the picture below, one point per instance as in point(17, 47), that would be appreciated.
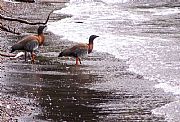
point(166, 11)
point(11, 1)
point(171, 111)
point(104, 1)
point(99, 22)
point(167, 87)
point(115, 1)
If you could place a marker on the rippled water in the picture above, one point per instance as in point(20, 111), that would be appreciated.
point(143, 33)
point(98, 92)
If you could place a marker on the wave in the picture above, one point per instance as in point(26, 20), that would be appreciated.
point(123, 33)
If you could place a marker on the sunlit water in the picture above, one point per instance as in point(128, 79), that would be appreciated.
point(144, 34)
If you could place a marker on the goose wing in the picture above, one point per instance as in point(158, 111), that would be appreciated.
point(80, 50)
point(31, 45)
point(25, 43)
point(75, 51)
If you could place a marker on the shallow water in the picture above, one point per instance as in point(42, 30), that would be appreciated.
point(96, 92)
point(143, 33)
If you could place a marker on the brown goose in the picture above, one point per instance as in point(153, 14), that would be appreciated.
point(30, 43)
point(79, 50)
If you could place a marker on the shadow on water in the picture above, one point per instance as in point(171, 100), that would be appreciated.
point(57, 90)
point(61, 92)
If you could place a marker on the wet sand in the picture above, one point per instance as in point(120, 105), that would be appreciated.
point(54, 89)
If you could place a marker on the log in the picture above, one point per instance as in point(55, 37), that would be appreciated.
point(28, 1)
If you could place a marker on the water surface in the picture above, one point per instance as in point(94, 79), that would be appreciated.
point(145, 34)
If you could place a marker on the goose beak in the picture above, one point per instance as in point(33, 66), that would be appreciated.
point(44, 26)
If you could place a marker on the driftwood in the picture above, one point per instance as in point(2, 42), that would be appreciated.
point(24, 21)
point(12, 56)
point(7, 55)
point(7, 29)
point(29, 1)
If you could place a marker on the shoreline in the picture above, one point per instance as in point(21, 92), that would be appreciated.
point(100, 89)
point(12, 107)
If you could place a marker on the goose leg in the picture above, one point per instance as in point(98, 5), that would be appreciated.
point(79, 60)
point(25, 56)
point(33, 55)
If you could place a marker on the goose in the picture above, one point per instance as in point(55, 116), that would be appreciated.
point(30, 43)
point(79, 50)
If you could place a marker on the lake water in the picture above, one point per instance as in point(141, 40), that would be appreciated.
point(143, 33)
